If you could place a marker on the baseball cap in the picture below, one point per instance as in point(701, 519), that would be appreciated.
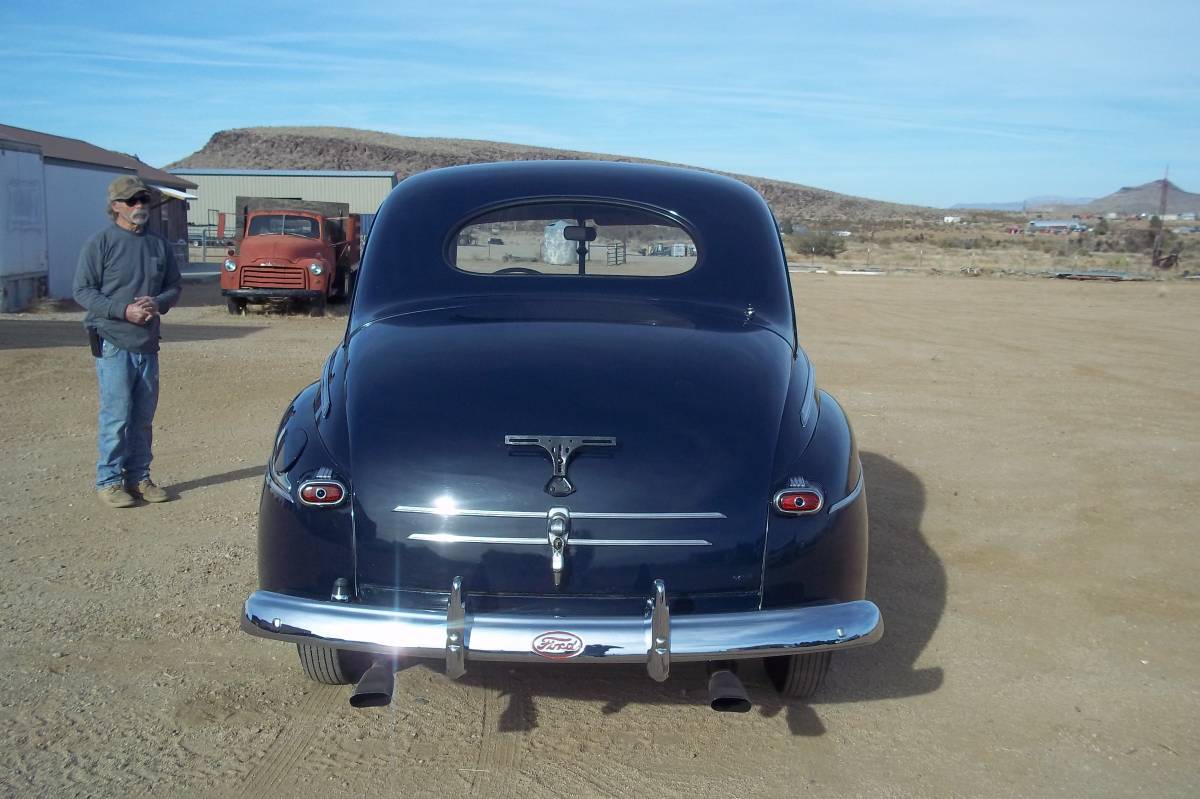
point(127, 186)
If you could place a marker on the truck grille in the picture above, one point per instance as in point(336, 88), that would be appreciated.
point(272, 277)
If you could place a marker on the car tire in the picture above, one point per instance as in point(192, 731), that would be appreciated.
point(235, 306)
point(330, 666)
point(798, 676)
point(317, 307)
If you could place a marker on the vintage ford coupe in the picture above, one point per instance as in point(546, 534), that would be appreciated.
point(592, 439)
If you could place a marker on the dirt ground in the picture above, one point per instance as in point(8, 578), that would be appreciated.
point(1032, 451)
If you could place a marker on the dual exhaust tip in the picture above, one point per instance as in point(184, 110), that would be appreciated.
point(726, 694)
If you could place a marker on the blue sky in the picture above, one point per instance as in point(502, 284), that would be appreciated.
point(927, 103)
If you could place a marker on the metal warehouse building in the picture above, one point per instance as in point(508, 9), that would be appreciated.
point(217, 188)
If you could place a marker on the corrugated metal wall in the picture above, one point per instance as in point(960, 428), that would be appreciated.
point(216, 192)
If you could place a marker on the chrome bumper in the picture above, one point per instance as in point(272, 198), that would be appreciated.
point(654, 639)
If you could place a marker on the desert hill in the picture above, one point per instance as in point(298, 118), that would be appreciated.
point(1145, 199)
point(353, 149)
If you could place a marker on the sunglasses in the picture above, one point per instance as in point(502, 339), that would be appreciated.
point(138, 199)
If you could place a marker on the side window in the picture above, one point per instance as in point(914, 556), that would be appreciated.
point(573, 238)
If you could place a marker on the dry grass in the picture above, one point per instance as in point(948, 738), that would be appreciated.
point(985, 246)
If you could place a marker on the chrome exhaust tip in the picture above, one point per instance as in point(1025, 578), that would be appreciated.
point(726, 694)
point(376, 686)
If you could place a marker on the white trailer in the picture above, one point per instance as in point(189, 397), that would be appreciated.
point(76, 199)
point(23, 253)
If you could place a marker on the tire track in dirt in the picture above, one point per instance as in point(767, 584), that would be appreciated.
point(266, 778)
point(499, 757)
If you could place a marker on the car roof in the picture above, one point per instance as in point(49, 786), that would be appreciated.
point(741, 263)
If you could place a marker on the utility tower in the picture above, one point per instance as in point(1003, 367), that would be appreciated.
point(1157, 259)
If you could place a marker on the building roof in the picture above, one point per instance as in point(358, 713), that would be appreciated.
point(285, 173)
point(60, 148)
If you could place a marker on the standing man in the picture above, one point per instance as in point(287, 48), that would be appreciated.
point(126, 278)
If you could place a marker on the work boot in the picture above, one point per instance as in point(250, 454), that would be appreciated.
point(148, 491)
point(114, 496)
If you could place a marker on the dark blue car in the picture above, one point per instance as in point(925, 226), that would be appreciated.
point(598, 441)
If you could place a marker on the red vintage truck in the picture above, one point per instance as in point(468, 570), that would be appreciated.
point(300, 250)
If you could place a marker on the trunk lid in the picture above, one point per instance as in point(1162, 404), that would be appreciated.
point(693, 404)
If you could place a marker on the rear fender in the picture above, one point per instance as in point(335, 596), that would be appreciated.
point(821, 556)
point(302, 550)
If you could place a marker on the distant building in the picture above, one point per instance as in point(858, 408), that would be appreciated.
point(951, 220)
point(218, 188)
point(1056, 226)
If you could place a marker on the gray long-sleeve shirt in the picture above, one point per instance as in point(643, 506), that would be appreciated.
point(116, 266)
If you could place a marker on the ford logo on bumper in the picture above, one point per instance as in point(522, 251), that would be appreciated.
point(557, 645)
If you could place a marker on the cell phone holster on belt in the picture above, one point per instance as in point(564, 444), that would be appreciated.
point(96, 342)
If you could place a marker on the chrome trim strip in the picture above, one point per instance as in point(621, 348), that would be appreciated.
point(455, 538)
point(326, 380)
point(528, 514)
point(505, 514)
point(608, 639)
point(279, 484)
point(810, 396)
point(276, 489)
point(452, 538)
point(709, 515)
point(640, 542)
point(853, 495)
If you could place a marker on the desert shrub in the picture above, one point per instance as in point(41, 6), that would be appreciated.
point(1137, 241)
point(813, 243)
point(960, 243)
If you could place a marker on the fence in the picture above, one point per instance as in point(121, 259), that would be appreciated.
point(616, 254)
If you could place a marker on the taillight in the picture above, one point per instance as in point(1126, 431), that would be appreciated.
point(321, 493)
point(799, 500)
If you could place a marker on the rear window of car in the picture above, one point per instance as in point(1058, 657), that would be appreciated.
point(587, 239)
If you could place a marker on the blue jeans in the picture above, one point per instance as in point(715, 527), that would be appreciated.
point(128, 399)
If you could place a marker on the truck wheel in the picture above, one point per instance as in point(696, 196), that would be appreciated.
point(797, 676)
point(330, 666)
point(347, 288)
point(341, 291)
point(235, 305)
point(317, 307)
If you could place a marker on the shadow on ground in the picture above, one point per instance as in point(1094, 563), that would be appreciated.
point(906, 580)
point(207, 293)
point(18, 334)
point(216, 479)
